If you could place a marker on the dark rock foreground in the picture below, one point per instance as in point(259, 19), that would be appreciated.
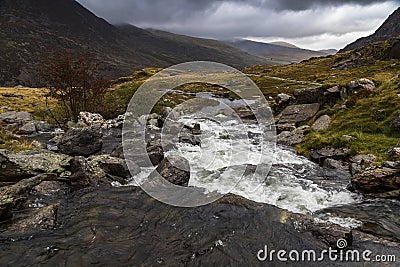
point(125, 227)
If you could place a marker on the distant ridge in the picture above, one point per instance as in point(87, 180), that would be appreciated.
point(31, 29)
point(277, 53)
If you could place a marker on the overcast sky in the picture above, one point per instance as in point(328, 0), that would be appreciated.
point(309, 24)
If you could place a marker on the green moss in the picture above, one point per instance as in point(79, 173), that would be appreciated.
point(369, 121)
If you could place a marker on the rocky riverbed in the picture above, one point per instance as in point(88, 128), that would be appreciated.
point(73, 202)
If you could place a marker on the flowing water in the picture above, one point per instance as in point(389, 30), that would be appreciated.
point(293, 182)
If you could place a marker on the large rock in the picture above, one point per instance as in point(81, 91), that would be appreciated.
point(81, 142)
point(377, 181)
point(11, 197)
point(13, 117)
point(175, 170)
point(322, 123)
point(334, 94)
point(154, 149)
point(17, 166)
point(298, 113)
point(282, 101)
point(360, 85)
point(99, 170)
point(308, 95)
point(90, 119)
point(292, 138)
point(320, 155)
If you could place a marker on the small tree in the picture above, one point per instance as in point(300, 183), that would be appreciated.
point(74, 82)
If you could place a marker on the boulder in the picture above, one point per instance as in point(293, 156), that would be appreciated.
point(11, 197)
point(377, 180)
point(308, 95)
point(322, 123)
point(282, 100)
point(27, 128)
point(320, 155)
point(114, 166)
point(360, 162)
point(335, 165)
point(285, 128)
point(396, 121)
point(298, 113)
point(12, 117)
point(360, 85)
point(292, 138)
point(175, 170)
point(154, 148)
point(171, 114)
point(81, 142)
point(90, 119)
point(334, 94)
point(17, 166)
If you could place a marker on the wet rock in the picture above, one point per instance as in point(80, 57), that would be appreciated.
point(377, 180)
point(322, 123)
point(49, 188)
point(245, 112)
point(360, 85)
point(86, 174)
point(320, 155)
point(298, 113)
point(90, 119)
point(308, 95)
point(335, 165)
point(292, 138)
point(190, 135)
point(134, 153)
point(217, 234)
point(17, 166)
point(114, 166)
point(175, 170)
point(81, 142)
point(11, 197)
point(169, 113)
point(44, 218)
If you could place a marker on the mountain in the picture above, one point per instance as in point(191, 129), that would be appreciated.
point(389, 29)
point(285, 44)
point(328, 51)
point(277, 53)
point(31, 29)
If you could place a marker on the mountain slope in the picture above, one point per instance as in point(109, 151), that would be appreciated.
point(30, 29)
point(389, 29)
point(277, 53)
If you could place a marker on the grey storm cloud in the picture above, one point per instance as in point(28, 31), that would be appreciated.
point(227, 19)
